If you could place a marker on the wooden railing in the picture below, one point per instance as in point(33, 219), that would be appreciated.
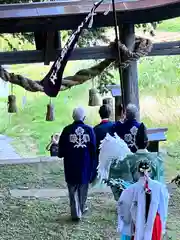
point(155, 136)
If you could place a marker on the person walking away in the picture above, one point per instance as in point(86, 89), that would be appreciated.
point(143, 207)
point(101, 129)
point(52, 147)
point(155, 159)
point(127, 169)
point(127, 130)
point(77, 145)
point(104, 127)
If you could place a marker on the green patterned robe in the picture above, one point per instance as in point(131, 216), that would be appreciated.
point(127, 170)
point(155, 160)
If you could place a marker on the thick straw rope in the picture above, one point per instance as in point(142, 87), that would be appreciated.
point(142, 48)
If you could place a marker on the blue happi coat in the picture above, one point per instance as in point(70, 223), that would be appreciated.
point(101, 130)
point(127, 130)
point(77, 145)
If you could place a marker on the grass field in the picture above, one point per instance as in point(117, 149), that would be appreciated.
point(159, 90)
point(48, 220)
point(172, 25)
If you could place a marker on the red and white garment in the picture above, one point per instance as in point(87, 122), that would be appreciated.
point(132, 210)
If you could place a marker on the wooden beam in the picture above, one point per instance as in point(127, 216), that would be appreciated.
point(51, 17)
point(166, 45)
point(99, 52)
point(157, 130)
point(166, 52)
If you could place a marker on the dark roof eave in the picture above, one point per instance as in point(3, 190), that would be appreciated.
point(61, 22)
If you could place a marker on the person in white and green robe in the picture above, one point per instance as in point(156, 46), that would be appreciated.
point(127, 169)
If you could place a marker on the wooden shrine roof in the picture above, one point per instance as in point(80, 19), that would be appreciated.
point(64, 14)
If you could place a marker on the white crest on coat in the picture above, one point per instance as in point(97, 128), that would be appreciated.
point(111, 149)
point(79, 138)
point(130, 138)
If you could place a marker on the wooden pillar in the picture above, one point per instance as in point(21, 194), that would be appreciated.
point(130, 74)
point(110, 102)
point(118, 103)
point(153, 146)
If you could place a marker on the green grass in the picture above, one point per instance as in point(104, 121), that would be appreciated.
point(49, 219)
point(15, 43)
point(34, 219)
point(171, 25)
point(37, 175)
point(42, 219)
point(159, 98)
point(158, 80)
point(28, 126)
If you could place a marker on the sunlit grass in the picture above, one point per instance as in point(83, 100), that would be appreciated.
point(171, 25)
point(159, 93)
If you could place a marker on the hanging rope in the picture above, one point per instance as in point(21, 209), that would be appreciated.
point(141, 49)
point(119, 56)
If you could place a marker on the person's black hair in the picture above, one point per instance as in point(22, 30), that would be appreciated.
point(105, 111)
point(141, 137)
point(144, 165)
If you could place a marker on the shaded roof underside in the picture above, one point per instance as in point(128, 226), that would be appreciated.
point(72, 12)
point(74, 7)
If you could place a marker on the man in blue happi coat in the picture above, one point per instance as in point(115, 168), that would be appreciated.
point(127, 129)
point(104, 127)
point(77, 145)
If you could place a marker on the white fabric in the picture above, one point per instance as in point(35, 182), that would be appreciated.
point(124, 214)
point(130, 137)
point(79, 138)
point(111, 149)
point(142, 151)
point(132, 201)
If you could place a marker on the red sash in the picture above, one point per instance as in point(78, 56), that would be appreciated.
point(157, 229)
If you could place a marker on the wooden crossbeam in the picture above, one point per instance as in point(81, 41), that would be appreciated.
point(98, 52)
point(52, 16)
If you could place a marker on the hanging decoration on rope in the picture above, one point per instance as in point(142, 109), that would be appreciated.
point(141, 49)
point(12, 107)
point(50, 116)
point(94, 96)
point(53, 80)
